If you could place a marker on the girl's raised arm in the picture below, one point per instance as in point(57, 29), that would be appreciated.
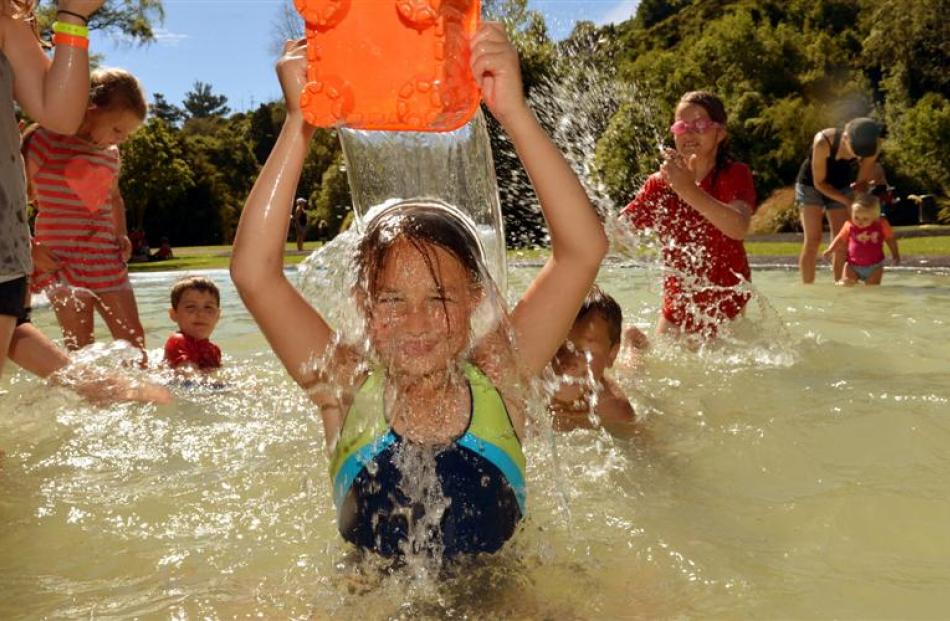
point(52, 93)
point(546, 311)
point(294, 329)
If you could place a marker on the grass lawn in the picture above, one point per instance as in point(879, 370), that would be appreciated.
point(936, 246)
point(213, 257)
point(217, 257)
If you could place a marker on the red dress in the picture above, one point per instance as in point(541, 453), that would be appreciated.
point(181, 349)
point(703, 265)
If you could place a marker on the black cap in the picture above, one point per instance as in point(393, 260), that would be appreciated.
point(863, 134)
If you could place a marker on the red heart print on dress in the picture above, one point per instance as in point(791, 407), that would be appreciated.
point(91, 182)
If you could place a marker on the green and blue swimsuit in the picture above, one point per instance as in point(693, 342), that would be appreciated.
point(481, 474)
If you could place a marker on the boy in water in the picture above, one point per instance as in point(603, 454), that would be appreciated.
point(196, 308)
point(591, 347)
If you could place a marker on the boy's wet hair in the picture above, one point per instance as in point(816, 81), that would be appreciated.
point(198, 283)
point(866, 201)
point(597, 301)
point(114, 88)
point(421, 222)
point(716, 110)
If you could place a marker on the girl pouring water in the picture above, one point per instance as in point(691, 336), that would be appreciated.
point(420, 384)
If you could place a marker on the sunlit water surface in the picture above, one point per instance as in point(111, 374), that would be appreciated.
point(798, 470)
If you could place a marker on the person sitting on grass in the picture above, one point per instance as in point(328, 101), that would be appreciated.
point(164, 251)
point(865, 236)
point(196, 308)
point(585, 397)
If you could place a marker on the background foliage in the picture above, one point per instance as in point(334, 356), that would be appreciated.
point(785, 68)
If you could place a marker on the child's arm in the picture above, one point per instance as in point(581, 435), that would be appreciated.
point(840, 241)
point(295, 330)
point(891, 242)
point(546, 312)
point(52, 93)
point(33, 351)
point(731, 218)
point(895, 251)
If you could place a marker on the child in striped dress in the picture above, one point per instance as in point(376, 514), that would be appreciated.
point(81, 215)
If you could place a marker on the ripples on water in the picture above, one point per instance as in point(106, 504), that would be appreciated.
point(798, 469)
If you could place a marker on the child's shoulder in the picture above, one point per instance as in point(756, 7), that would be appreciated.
point(175, 338)
point(614, 404)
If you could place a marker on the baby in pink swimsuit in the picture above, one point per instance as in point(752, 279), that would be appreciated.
point(865, 235)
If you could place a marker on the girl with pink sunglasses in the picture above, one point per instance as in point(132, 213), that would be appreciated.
point(699, 204)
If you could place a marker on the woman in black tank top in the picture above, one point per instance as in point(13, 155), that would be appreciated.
point(841, 160)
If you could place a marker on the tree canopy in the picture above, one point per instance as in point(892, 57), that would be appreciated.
point(785, 69)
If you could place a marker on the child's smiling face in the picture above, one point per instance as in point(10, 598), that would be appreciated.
point(864, 217)
point(420, 312)
point(703, 144)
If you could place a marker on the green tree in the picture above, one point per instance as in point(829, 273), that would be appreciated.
point(910, 40)
point(332, 200)
point(650, 12)
point(168, 112)
point(262, 132)
point(156, 175)
point(201, 103)
point(919, 143)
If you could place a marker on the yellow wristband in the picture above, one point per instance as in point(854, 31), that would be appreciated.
point(71, 29)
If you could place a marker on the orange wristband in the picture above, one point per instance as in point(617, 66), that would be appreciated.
point(70, 40)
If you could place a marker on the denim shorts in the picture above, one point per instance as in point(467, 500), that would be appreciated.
point(807, 195)
point(865, 271)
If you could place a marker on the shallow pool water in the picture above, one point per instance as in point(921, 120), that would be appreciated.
point(797, 470)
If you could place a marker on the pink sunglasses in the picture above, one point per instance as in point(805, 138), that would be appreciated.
point(699, 127)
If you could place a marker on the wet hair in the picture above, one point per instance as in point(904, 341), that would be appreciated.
point(113, 88)
point(421, 223)
point(716, 110)
point(600, 303)
point(866, 202)
point(197, 283)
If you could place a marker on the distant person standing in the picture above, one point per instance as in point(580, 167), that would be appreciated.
point(842, 160)
point(299, 219)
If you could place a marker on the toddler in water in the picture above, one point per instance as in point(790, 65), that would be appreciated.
point(419, 388)
point(591, 347)
point(81, 215)
point(196, 308)
point(864, 237)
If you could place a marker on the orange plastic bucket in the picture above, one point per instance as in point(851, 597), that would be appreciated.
point(389, 64)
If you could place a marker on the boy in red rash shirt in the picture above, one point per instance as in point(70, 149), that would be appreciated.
point(196, 308)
